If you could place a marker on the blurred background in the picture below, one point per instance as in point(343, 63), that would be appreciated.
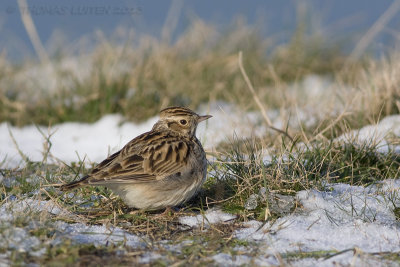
point(77, 61)
point(62, 24)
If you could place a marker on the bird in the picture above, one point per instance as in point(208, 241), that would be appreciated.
point(162, 168)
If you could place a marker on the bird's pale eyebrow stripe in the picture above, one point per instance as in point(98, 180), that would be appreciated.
point(181, 114)
point(177, 111)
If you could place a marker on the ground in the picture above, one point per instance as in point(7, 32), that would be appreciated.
point(326, 224)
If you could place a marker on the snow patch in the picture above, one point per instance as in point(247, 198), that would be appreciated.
point(376, 135)
point(343, 217)
point(211, 216)
point(11, 210)
point(19, 239)
point(99, 235)
point(70, 141)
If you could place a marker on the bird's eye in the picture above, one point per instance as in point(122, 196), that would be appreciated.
point(183, 122)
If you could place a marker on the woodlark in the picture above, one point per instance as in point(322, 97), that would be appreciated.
point(158, 169)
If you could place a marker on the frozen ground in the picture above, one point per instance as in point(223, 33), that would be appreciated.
point(357, 221)
point(341, 218)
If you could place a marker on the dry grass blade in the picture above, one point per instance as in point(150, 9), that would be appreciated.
point(172, 20)
point(31, 30)
point(257, 99)
point(23, 156)
point(374, 30)
point(332, 124)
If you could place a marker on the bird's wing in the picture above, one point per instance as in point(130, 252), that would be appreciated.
point(148, 157)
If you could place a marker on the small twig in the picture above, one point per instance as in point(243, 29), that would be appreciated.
point(171, 21)
point(374, 30)
point(23, 156)
point(32, 32)
point(47, 143)
point(301, 126)
point(257, 100)
point(52, 185)
point(339, 253)
point(314, 222)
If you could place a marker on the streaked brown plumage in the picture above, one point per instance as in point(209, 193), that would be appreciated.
point(158, 169)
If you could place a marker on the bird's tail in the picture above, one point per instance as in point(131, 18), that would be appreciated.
point(76, 184)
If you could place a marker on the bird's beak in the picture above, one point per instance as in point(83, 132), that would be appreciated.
point(203, 118)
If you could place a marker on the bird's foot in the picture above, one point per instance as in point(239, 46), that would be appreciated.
point(167, 212)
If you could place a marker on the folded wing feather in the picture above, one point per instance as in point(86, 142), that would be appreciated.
point(163, 156)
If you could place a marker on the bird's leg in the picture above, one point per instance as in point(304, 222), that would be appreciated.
point(135, 211)
point(167, 212)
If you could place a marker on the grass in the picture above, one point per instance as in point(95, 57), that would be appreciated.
point(238, 173)
point(243, 172)
point(137, 80)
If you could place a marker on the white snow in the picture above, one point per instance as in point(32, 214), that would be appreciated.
point(225, 259)
point(343, 217)
point(4, 262)
point(228, 121)
point(19, 238)
point(376, 135)
point(98, 235)
point(70, 141)
point(14, 208)
point(16, 238)
point(211, 216)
